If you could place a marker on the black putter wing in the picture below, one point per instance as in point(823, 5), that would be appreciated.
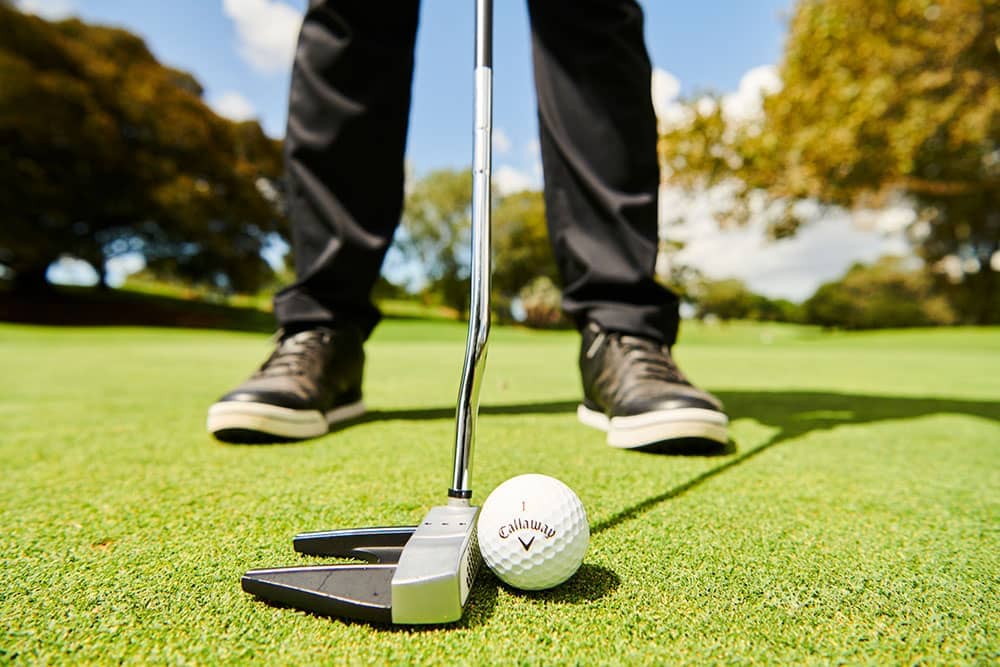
point(362, 592)
point(374, 545)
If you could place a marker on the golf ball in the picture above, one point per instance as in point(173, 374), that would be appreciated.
point(533, 532)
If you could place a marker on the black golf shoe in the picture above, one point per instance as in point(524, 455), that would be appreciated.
point(310, 382)
point(635, 392)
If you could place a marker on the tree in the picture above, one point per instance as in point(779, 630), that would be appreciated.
point(541, 300)
point(104, 151)
point(885, 294)
point(521, 253)
point(731, 299)
point(436, 234)
point(879, 98)
point(726, 299)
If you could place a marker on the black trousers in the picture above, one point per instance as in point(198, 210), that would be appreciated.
point(347, 122)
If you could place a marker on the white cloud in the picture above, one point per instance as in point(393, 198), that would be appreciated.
point(746, 103)
point(68, 270)
point(49, 9)
point(665, 88)
point(705, 106)
point(267, 32)
point(71, 271)
point(501, 142)
point(533, 150)
point(233, 105)
point(121, 267)
point(741, 106)
point(790, 268)
point(508, 179)
point(891, 219)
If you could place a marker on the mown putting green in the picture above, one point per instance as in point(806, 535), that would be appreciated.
point(855, 519)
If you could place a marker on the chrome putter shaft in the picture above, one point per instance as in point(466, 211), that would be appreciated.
point(481, 278)
point(415, 574)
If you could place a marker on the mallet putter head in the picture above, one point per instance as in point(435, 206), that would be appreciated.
point(421, 574)
point(416, 575)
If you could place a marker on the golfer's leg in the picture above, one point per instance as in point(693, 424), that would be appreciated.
point(347, 121)
point(598, 139)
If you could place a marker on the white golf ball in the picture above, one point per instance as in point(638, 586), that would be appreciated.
point(533, 532)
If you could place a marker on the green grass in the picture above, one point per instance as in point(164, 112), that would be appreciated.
point(857, 520)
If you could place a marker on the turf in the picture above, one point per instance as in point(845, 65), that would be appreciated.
point(854, 520)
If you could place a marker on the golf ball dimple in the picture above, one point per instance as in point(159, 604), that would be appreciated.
point(533, 532)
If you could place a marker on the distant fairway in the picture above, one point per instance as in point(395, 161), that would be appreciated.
point(857, 519)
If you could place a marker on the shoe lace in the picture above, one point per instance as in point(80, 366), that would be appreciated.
point(648, 360)
point(296, 354)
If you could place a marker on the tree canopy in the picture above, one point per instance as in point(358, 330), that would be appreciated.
point(436, 234)
point(104, 151)
point(879, 99)
point(885, 294)
point(522, 257)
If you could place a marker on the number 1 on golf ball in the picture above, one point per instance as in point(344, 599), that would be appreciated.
point(533, 532)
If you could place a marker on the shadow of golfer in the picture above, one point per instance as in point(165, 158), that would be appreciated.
point(796, 413)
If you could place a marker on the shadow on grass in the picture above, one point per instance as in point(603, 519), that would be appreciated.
point(798, 413)
point(240, 437)
point(84, 306)
point(78, 306)
point(478, 609)
point(421, 414)
point(794, 413)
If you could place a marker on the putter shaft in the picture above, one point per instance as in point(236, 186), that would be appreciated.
point(479, 306)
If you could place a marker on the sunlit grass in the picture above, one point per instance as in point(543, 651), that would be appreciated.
point(855, 520)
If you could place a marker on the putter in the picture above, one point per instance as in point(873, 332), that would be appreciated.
point(414, 574)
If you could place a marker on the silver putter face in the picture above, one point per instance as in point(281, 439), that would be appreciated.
point(437, 567)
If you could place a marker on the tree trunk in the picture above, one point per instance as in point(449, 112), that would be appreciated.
point(985, 297)
point(94, 256)
point(102, 277)
point(31, 280)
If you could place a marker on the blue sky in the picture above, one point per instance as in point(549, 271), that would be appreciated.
point(241, 51)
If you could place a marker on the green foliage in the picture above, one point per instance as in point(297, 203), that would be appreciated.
point(725, 299)
point(105, 151)
point(521, 250)
point(523, 260)
point(732, 300)
point(883, 295)
point(879, 98)
point(542, 303)
point(436, 225)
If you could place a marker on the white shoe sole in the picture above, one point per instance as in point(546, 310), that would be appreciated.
point(658, 426)
point(273, 420)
